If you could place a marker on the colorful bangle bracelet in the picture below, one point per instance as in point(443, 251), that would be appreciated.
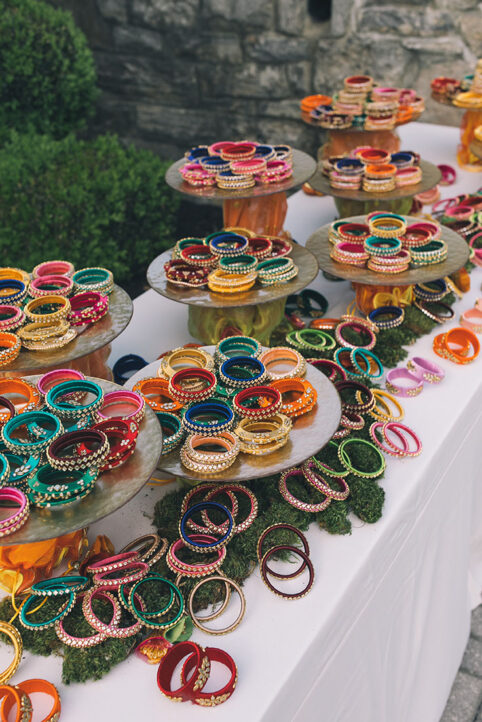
point(86, 458)
point(260, 247)
point(311, 339)
point(387, 225)
point(201, 489)
point(10, 348)
point(239, 526)
point(52, 378)
point(47, 285)
point(132, 572)
point(195, 682)
point(306, 396)
point(238, 264)
point(94, 639)
point(472, 319)
point(15, 638)
point(210, 462)
point(112, 629)
point(401, 432)
point(333, 371)
point(257, 402)
point(237, 346)
point(212, 699)
point(11, 317)
point(48, 302)
point(339, 473)
point(96, 279)
point(412, 387)
point(25, 616)
point(200, 569)
point(261, 433)
point(199, 622)
point(290, 363)
point(316, 480)
point(155, 392)
point(21, 469)
point(367, 357)
point(55, 398)
point(52, 485)
point(425, 370)
point(194, 357)
point(378, 427)
point(147, 618)
point(395, 314)
point(345, 459)
point(7, 410)
point(12, 292)
point(360, 406)
point(40, 418)
point(358, 328)
point(20, 700)
point(122, 404)
point(27, 688)
point(87, 308)
point(242, 372)
point(172, 431)
point(226, 243)
point(448, 345)
point(431, 291)
point(182, 393)
point(293, 550)
point(24, 389)
point(384, 247)
point(207, 418)
point(292, 500)
point(11, 497)
point(343, 358)
point(382, 410)
point(53, 268)
point(428, 308)
point(277, 528)
point(60, 586)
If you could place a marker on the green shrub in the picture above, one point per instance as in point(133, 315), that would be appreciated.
point(47, 77)
point(92, 202)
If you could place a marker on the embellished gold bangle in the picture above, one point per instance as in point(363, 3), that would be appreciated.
point(40, 331)
point(14, 635)
point(62, 312)
point(183, 357)
point(228, 583)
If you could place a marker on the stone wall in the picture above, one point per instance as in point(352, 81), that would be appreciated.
point(175, 73)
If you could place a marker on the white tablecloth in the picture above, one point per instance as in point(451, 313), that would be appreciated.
point(381, 635)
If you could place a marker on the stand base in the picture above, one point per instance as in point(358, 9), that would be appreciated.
point(347, 207)
point(210, 325)
point(265, 215)
point(341, 142)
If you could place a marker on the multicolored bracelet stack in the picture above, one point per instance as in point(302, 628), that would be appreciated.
point(373, 170)
point(363, 104)
point(230, 262)
point(42, 312)
point(237, 166)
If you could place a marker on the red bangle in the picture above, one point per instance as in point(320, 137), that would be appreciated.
point(265, 395)
point(204, 256)
point(353, 232)
point(259, 247)
point(87, 308)
point(182, 394)
point(294, 550)
point(199, 662)
point(212, 699)
point(449, 176)
point(199, 569)
point(280, 247)
point(122, 404)
point(122, 438)
point(238, 151)
point(332, 370)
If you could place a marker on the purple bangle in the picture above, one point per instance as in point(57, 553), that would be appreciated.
point(413, 389)
point(449, 176)
point(425, 370)
point(14, 320)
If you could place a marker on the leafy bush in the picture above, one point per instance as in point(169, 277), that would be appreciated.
point(47, 78)
point(92, 202)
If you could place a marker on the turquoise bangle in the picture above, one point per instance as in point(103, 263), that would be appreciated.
point(157, 613)
point(79, 410)
point(34, 447)
point(345, 459)
point(33, 601)
point(50, 485)
point(383, 246)
point(366, 353)
point(93, 279)
point(173, 424)
point(4, 469)
point(238, 264)
point(57, 586)
point(47, 503)
point(21, 470)
point(142, 615)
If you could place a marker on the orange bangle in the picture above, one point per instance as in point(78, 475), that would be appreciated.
point(305, 396)
point(10, 346)
point(443, 345)
point(384, 170)
point(327, 324)
point(155, 392)
point(12, 696)
point(405, 113)
point(17, 274)
point(33, 686)
point(20, 387)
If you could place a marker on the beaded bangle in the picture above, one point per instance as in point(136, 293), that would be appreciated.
point(10, 348)
point(472, 319)
point(47, 301)
point(155, 392)
point(210, 462)
point(87, 308)
point(346, 461)
point(260, 247)
point(285, 527)
point(220, 418)
point(382, 411)
point(26, 447)
point(359, 328)
point(444, 344)
point(10, 496)
point(237, 346)
point(112, 629)
point(52, 485)
point(387, 225)
point(367, 357)
point(58, 586)
point(413, 386)
point(292, 500)
point(11, 317)
point(333, 371)
point(227, 244)
point(57, 376)
point(182, 394)
point(24, 389)
point(14, 636)
point(360, 407)
point(77, 461)
point(317, 481)
point(53, 268)
point(396, 316)
point(25, 616)
point(12, 292)
point(134, 571)
point(199, 622)
point(199, 569)
point(426, 307)
point(67, 410)
point(93, 640)
point(399, 430)
point(294, 550)
point(48, 285)
point(239, 526)
point(261, 395)
point(281, 356)
point(190, 688)
point(234, 368)
point(94, 279)
point(328, 470)
point(262, 433)
point(242, 264)
point(305, 400)
point(384, 247)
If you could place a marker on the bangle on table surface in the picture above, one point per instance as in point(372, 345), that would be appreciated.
point(199, 661)
point(387, 225)
point(382, 246)
point(16, 274)
point(263, 432)
point(428, 308)
point(453, 345)
point(60, 586)
point(57, 376)
point(47, 301)
point(472, 320)
point(213, 699)
point(181, 385)
point(88, 307)
point(204, 547)
point(130, 362)
point(360, 391)
point(292, 500)
point(40, 418)
point(332, 370)
point(151, 548)
point(172, 431)
point(148, 618)
point(373, 366)
point(47, 285)
point(344, 457)
point(425, 370)
point(329, 470)
point(207, 418)
point(83, 458)
point(96, 279)
point(122, 438)
point(238, 526)
point(401, 432)
point(199, 569)
point(182, 358)
point(111, 630)
point(237, 346)
point(53, 268)
point(12, 292)
point(14, 636)
point(26, 617)
point(395, 316)
point(7, 410)
point(282, 527)
point(227, 243)
point(55, 401)
point(155, 392)
point(311, 471)
point(297, 552)
point(343, 358)
point(9, 348)
point(49, 484)
point(242, 372)
point(359, 328)
point(259, 246)
point(132, 572)
point(26, 688)
point(282, 356)
point(210, 462)
point(94, 639)
point(202, 489)
point(31, 398)
point(382, 411)
point(311, 339)
point(432, 290)
point(122, 404)
point(198, 621)
point(305, 400)
point(413, 383)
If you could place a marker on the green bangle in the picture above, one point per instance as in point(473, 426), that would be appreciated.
point(54, 485)
point(366, 353)
point(47, 503)
point(21, 469)
point(125, 602)
point(142, 615)
point(33, 600)
point(345, 459)
point(173, 424)
point(238, 264)
point(327, 469)
point(275, 266)
point(298, 340)
point(4, 469)
point(31, 447)
point(93, 279)
point(68, 410)
point(237, 346)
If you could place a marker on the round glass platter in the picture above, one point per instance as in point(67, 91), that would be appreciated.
point(304, 166)
point(457, 256)
point(308, 436)
point(431, 175)
point(90, 339)
point(113, 488)
point(307, 272)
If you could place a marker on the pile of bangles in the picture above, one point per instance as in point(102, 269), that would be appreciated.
point(237, 166)
point(463, 214)
point(373, 170)
point(361, 103)
point(242, 399)
point(386, 244)
point(42, 311)
point(230, 261)
point(57, 440)
point(465, 93)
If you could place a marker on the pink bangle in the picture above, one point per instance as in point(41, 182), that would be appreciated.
point(432, 228)
point(132, 572)
point(112, 629)
point(425, 370)
point(472, 319)
point(380, 425)
point(226, 489)
point(449, 176)
point(396, 427)
point(58, 376)
point(297, 503)
point(460, 212)
point(253, 165)
point(94, 639)
point(14, 318)
point(122, 405)
point(315, 479)
point(200, 489)
point(18, 518)
point(194, 570)
point(477, 251)
point(360, 328)
point(414, 387)
point(87, 308)
point(110, 564)
point(60, 285)
point(53, 268)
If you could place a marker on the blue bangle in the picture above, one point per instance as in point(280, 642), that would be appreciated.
point(57, 586)
point(206, 428)
point(383, 246)
point(199, 151)
point(251, 368)
point(206, 546)
point(349, 166)
point(395, 313)
point(401, 158)
point(429, 294)
point(38, 445)
point(265, 151)
point(69, 410)
point(19, 293)
point(33, 600)
point(131, 362)
point(367, 355)
point(226, 243)
point(214, 163)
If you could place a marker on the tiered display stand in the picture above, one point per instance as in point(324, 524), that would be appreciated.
point(87, 353)
point(467, 157)
point(261, 209)
point(308, 436)
point(354, 202)
point(113, 488)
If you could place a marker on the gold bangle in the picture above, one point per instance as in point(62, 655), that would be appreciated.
point(263, 431)
point(40, 331)
point(14, 635)
point(16, 274)
point(384, 413)
point(184, 357)
point(61, 301)
point(228, 583)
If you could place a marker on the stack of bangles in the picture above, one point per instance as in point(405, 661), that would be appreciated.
point(459, 345)
point(42, 312)
point(266, 551)
point(230, 262)
point(56, 441)
point(237, 166)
